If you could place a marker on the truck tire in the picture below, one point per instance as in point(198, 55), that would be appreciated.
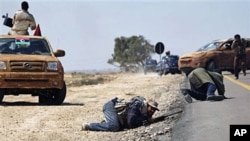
point(1, 95)
point(212, 67)
point(59, 95)
point(56, 97)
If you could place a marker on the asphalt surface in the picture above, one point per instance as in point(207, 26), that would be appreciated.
point(210, 121)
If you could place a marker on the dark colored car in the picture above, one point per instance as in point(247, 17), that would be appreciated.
point(173, 64)
point(150, 65)
point(169, 64)
point(162, 67)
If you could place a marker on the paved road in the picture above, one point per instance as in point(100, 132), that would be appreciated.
point(210, 121)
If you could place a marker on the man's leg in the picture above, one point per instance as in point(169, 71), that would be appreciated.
point(211, 88)
point(112, 121)
point(236, 63)
point(243, 64)
point(194, 94)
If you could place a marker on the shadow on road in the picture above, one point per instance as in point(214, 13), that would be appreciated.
point(229, 98)
point(25, 103)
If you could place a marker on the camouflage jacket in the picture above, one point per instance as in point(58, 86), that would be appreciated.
point(198, 77)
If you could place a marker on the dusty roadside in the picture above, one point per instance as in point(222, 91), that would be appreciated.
point(22, 119)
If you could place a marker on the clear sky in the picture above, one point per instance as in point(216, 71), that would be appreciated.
point(86, 29)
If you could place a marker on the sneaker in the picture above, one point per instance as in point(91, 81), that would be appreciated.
point(184, 91)
point(215, 98)
point(188, 98)
point(85, 127)
point(244, 73)
point(236, 77)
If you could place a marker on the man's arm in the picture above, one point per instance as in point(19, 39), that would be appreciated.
point(32, 22)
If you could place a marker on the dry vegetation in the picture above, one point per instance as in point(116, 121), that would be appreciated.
point(80, 79)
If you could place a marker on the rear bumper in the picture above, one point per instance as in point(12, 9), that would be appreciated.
point(31, 80)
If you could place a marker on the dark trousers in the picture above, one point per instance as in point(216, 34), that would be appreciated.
point(208, 89)
point(239, 60)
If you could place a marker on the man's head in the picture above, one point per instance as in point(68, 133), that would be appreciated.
point(237, 37)
point(152, 107)
point(167, 53)
point(25, 5)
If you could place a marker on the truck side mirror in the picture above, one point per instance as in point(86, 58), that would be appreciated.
point(59, 53)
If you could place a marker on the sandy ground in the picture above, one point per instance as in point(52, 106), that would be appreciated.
point(23, 119)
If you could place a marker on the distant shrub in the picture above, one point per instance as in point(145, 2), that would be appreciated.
point(79, 79)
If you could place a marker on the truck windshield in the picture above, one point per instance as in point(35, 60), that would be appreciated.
point(29, 46)
point(210, 46)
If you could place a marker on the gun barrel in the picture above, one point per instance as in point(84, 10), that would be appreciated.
point(161, 118)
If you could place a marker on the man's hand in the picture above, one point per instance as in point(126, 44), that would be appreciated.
point(145, 123)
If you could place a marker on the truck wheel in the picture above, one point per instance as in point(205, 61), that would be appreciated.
point(54, 97)
point(1, 95)
point(43, 100)
point(58, 96)
point(212, 67)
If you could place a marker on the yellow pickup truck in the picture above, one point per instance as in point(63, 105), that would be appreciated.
point(28, 65)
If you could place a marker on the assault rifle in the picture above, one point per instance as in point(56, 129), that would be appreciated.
point(164, 116)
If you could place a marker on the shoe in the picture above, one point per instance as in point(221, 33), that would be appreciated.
point(85, 127)
point(187, 97)
point(215, 97)
point(236, 77)
point(184, 91)
point(244, 73)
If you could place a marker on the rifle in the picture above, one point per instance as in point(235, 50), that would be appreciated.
point(164, 116)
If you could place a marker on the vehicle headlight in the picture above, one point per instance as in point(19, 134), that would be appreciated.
point(2, 65)
point(52, 66)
